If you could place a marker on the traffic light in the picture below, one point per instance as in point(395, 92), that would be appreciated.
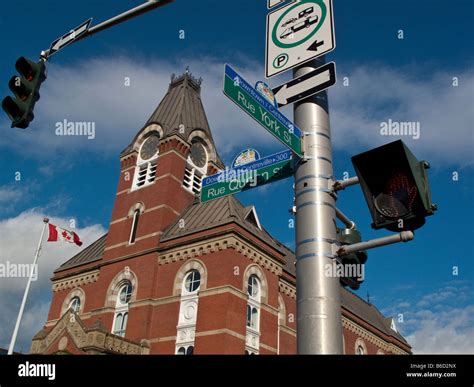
point(395, 186)
point(25, 88)
point(353, 261)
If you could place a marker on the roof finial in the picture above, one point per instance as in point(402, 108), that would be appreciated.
point(187, 69)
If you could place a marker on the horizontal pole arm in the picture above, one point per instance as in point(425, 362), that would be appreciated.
point(127, 15)
point(404, 236)
point(137, 11)
point(344, 219)
point(343, 184)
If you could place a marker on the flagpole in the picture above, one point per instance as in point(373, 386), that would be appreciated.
point(25, 296)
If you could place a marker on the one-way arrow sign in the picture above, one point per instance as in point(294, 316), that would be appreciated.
point(306, 85)
point(70, 37)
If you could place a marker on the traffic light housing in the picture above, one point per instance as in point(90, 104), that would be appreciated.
point(395, 186)
point(348, 236)
point(25, 88)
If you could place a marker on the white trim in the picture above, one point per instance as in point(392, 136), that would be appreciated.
point(77, 292)
point(254, 212)
point(122, 310)
point(360, 343)
point(192, 180)
point(252, 336)
point(188, 306)
point(145, 170)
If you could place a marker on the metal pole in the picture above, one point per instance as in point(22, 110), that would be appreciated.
point(25, 295)
point(319, 321)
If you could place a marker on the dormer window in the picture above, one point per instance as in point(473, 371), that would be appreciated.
point(196, 167)
point(145, 172)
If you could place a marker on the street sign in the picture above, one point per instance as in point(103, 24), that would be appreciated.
point(306, 85)
point(255, 105)
point(257, 173)
point(273, 3)
point(68, 38)
point(298, 32)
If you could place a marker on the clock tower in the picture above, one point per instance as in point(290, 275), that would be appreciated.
point(162, 169)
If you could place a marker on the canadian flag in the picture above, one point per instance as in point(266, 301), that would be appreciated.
point(59, 234)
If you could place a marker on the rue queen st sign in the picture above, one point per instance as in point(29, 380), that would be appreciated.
point(256, 173)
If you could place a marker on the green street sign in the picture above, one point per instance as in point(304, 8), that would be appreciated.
point(251, 175)
point(267, 115)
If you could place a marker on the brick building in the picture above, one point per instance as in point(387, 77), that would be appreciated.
point(173, 275)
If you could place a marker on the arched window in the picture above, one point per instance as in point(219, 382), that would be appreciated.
point(254, 292)
point(74, 301)
point(145, 171)
point(189, 350)
point(192, 281)
point(253, 287)
point(125, 294)
point(133, 230)
point(252, 317)
point(121, 309)
point(75, 304)
point(360, 348)
point(134, 213)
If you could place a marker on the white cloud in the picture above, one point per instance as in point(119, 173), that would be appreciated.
point(377, 94)
point(443, 332)
point(441, 322)
point(18, 241)
point(9, 194)
point(15, 194)
point(94, 90)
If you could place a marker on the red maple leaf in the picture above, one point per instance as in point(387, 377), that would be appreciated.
point(66, 235)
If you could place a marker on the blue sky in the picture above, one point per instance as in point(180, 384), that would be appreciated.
point(403, 80)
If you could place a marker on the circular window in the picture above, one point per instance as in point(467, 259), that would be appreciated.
point(198, 155)
point(253, 286)
point(125, 294)
point(75, 304)
point(150, 147)
point(193, 281)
